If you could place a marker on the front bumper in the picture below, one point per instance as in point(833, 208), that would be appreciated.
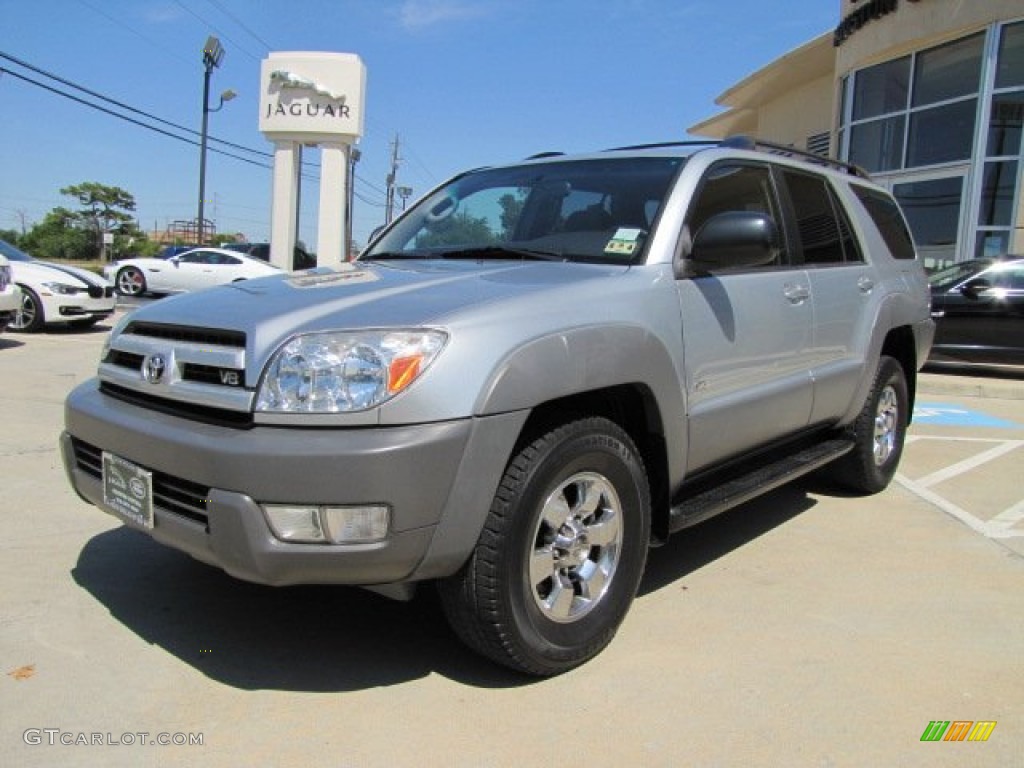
point(431, 476)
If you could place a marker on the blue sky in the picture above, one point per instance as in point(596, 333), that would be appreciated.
point(463, 82)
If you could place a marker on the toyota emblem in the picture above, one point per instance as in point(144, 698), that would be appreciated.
point(153, 368)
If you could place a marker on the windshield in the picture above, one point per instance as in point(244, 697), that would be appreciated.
point(12, 253)
point(583, 210)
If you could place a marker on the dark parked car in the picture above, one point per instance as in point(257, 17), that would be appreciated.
point(300, 259)
point(978, 308)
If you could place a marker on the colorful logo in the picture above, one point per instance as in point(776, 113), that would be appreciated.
point(958, 730)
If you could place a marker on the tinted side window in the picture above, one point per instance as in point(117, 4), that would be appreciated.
point(734, 187)
point(818, 227)
point(887, 217)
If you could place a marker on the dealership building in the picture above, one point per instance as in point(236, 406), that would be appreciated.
point(926, 95)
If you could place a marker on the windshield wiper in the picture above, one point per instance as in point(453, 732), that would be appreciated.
point(501, 252)
point(396, 255)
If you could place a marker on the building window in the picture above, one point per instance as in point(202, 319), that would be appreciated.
point(918, 110)
point(1010, 70)
point(944, 128)
point(933, 209)
point(998, 178)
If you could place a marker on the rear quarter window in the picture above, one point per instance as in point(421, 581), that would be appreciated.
point(886, 215)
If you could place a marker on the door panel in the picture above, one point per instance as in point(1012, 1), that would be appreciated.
point(747, 378)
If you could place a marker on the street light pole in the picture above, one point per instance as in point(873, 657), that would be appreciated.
point(213, 55)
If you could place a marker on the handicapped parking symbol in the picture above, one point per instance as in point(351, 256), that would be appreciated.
point(949, 415)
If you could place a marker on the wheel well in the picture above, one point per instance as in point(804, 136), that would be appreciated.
point(633, 408)
point(899, 345)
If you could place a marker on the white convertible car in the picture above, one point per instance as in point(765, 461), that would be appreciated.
point(188, 271)
point(56, 293)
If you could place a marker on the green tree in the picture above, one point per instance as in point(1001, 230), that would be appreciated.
point(11, 236)
point(57, 237)
point(104, 209)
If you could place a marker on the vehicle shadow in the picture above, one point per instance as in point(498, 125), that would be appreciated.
point(7, 342)
point(693, 548)
point(336, 639)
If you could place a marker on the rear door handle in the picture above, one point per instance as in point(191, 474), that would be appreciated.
point(865, 284)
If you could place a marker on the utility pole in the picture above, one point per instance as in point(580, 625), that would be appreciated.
point(389, 209)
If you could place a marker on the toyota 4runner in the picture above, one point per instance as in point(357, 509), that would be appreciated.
point(533, 375)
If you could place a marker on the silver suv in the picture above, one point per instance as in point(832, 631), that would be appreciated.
point(536, 373)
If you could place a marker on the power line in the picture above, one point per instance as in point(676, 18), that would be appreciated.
point(111, 112)
point(240, 23)
point(122, 105)
point(173, 52)
point(211, 26)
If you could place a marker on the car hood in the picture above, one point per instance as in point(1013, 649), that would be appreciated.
point(47, 272)
point(367, 295)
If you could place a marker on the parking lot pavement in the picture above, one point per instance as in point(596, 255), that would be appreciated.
point(808, 628)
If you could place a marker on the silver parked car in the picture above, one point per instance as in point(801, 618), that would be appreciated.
point(534, 374)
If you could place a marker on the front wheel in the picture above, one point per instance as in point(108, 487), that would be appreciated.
point(879, 432)
point(30, 316)
point(561, 554)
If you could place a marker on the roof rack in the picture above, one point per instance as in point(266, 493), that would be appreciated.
point(666, 144)
point(540, 155)
point(753, 145)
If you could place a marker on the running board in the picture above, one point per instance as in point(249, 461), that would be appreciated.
point(699, 508)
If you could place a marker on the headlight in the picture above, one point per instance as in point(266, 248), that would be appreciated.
point(345, 371)
point(64, 289)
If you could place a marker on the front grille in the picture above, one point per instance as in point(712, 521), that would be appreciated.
point(214, 336)
point(124, 359)
point(220, 417)
point(170, 494)
point(204, 374)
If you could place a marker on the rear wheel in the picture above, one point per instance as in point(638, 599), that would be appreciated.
point(30, 316)
point(879, 432)
point(131, 282)
point(561, 554)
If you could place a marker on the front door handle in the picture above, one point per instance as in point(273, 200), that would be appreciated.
point(796, 293)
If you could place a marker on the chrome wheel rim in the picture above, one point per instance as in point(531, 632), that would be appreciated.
point(886, 420)
point(575, 547)
point(130, 282)
point(26, 314)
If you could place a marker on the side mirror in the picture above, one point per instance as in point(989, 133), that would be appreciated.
point(974, 288)
point(174, 260)
point(734, 239)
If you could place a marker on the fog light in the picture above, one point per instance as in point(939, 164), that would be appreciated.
point(355, 525)
point(328, 525)
point(295, 523)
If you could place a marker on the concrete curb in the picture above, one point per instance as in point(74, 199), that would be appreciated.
point(1002, 388)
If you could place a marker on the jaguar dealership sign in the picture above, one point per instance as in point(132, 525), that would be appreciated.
point(312, 96)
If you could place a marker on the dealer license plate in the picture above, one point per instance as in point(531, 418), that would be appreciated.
point(128, 490)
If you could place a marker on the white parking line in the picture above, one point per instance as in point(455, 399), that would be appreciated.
point(968, 464)
point(1000, 526)
point(1009, 517)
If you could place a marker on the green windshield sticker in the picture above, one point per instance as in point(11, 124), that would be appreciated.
point(625, 241)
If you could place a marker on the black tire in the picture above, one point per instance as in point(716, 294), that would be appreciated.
point(130, 281)
point(879, 432)
point(524, 597)
point(30, 317)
